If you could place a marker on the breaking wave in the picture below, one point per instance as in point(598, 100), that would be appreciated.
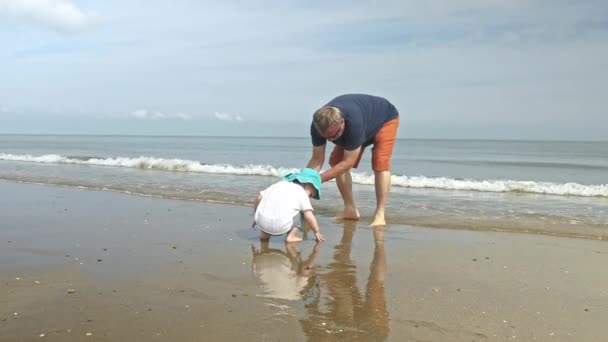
point(443, 183)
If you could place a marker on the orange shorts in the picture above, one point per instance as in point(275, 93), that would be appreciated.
point(384, 141)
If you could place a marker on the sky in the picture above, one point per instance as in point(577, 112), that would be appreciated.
point(456, 69)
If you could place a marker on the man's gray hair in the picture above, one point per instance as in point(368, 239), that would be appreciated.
point(325, 117)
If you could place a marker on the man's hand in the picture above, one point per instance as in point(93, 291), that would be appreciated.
point(349, 160)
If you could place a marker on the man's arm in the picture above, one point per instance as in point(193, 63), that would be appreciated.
point(349, 160)
point(318, 157)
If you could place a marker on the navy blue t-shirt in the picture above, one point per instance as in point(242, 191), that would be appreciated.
point(364, 115)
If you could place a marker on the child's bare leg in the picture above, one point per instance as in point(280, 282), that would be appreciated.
point(264, 236)
point(292, 235)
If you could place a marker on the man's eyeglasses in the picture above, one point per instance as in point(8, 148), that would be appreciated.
point(334, 131)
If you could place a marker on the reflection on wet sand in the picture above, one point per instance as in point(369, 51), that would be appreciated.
point(284, 275)
point(339, 311)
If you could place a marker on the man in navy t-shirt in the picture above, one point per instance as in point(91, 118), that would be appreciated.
point(353, 122)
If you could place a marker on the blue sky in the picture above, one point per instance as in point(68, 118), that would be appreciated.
point(517, 69)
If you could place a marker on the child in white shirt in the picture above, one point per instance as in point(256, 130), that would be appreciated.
point(278, 206)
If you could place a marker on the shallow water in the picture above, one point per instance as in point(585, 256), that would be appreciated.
point(556, 188)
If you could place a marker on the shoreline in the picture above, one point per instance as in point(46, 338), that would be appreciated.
point(150, 269)
point(590, 231)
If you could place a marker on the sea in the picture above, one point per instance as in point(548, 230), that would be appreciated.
point(541, 187)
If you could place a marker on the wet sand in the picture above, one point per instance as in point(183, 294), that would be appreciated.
point(78, 265)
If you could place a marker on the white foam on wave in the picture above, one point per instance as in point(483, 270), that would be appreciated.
point(446, 183)
point(443, 183)
point(150, 163)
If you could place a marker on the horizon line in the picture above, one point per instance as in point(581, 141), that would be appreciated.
point(289, 137)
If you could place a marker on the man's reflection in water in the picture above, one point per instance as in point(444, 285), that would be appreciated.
point(342, 313)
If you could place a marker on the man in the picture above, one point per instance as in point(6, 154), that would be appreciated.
point(353, 122)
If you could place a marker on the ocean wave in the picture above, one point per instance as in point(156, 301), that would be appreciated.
point(446, 183)
point(521, 163)
point(151, 163)
point(442, 183)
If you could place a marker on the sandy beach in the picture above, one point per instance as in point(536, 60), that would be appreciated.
point(80, 265)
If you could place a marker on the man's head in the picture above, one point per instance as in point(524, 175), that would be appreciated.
point(329, 122)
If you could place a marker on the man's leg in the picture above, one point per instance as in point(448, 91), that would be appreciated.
point(345, 186)
point(384, 141)
point(382, 181)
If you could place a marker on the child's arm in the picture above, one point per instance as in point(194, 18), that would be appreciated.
point(310, 219)
point(256, 203)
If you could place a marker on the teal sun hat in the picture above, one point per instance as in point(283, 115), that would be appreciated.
point(306, 175)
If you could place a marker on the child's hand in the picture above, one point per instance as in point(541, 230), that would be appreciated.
point(319, 237)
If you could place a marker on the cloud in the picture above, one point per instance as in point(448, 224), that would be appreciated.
point(438, 61)
point(228, 117)
point(58, 15)
point(5, 110)
point(144, 114)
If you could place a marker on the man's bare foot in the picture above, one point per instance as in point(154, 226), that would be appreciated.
point(378, 220)
point(350, 213)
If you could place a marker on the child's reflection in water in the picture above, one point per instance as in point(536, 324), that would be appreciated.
point(285, 275)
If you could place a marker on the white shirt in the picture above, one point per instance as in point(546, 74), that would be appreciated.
point(280, 203)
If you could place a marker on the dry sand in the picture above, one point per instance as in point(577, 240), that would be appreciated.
point(79, 265)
